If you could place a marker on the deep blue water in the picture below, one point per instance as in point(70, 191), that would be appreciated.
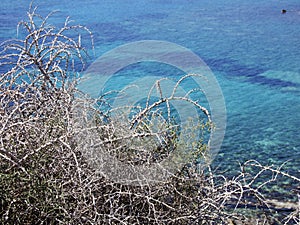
point(253, 50)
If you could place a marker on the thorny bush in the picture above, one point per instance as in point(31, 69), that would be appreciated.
point(47, 178)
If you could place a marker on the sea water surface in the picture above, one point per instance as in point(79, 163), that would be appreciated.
point(251, 47)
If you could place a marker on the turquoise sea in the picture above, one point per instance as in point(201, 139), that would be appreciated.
point(251, 47)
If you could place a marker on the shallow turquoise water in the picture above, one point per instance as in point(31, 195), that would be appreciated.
point(251, 47)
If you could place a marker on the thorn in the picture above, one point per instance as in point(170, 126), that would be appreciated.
point(79, 41)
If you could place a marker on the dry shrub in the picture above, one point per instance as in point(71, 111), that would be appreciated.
point(47, 178)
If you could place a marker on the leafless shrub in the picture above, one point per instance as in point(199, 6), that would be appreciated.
point(47, 178)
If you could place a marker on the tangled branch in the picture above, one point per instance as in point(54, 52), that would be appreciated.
point(46, 177)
